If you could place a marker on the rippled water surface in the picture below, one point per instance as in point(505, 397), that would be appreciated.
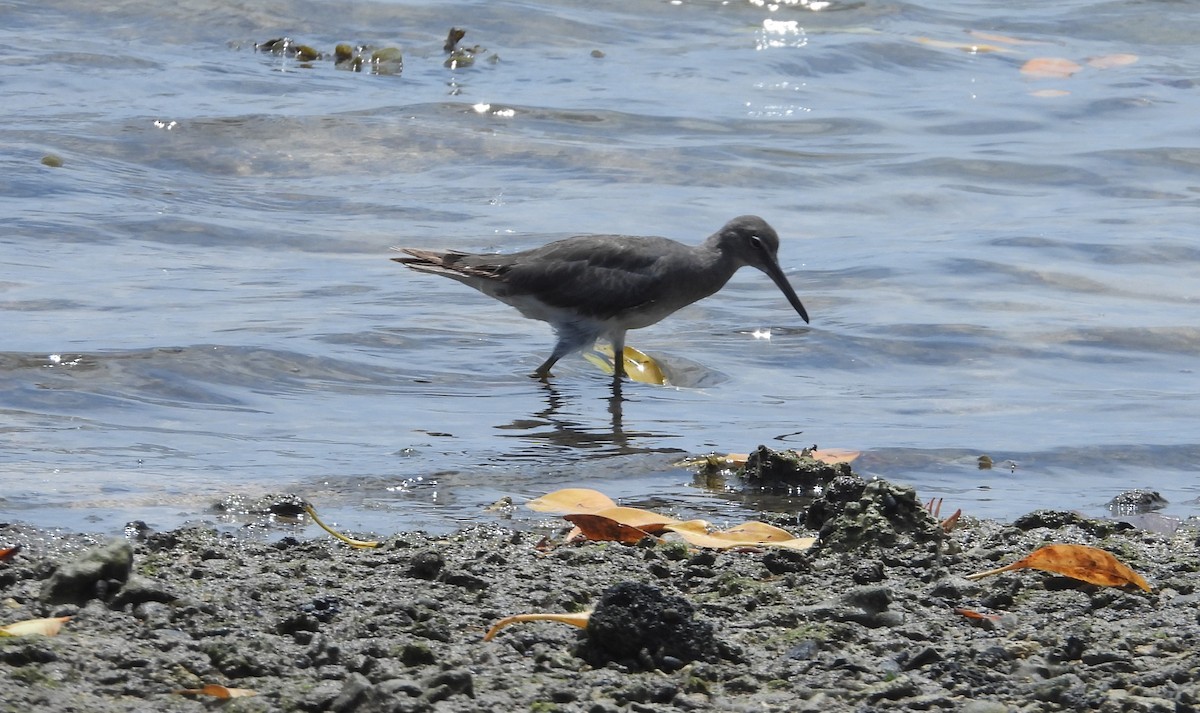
point(198, 302)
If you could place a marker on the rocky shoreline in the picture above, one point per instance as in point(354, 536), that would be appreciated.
point(878, 616)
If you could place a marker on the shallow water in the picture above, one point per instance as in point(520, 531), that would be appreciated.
point(199, 303)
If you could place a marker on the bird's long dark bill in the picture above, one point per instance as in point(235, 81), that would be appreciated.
point(776, 273)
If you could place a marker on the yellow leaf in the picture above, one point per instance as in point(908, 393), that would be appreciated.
point(217, 691)
point(636, 517)
point(1087, 564)
point(580, 620)
point(571, 500)
point(358, 544)
point(1050, 68)
point(45, 627)
point(638, 366)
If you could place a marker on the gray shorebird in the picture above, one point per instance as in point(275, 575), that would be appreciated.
point(595, 286)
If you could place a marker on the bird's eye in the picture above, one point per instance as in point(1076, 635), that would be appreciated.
point(757, 242)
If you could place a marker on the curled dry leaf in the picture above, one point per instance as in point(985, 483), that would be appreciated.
point(357, 544)
point(9, 552)
point(580, 620)
point(31, 627)
point(1087, 564)
point(571, 500)
point(1050, 68)
point(217, 691)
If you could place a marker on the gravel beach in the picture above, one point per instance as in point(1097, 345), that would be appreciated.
point(869, 619)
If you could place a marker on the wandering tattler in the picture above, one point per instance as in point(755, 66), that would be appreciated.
point(595, 286)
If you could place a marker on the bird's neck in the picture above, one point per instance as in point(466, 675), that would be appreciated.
point(716, 265)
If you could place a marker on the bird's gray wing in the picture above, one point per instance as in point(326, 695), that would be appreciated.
point(597, 276)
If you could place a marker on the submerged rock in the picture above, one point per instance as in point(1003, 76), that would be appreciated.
point(790, 472)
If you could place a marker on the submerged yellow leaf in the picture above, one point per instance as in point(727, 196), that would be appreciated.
point(571, 500)
point(991, 37)
point(639, 366)
point(1109, 61)
point(30, 627)
point(1050, 68)
point(580, 619)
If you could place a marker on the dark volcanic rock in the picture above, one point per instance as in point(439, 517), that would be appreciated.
point(639, 626)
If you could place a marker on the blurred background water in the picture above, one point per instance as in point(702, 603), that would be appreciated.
point(197, 304)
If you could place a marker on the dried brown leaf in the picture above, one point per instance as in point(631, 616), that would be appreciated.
point(604, 529)
point(1087, 564)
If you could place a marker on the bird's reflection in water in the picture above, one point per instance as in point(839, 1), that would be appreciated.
point(557, 426)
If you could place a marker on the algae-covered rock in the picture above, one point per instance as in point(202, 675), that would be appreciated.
point(789, 472)
point(854, 514)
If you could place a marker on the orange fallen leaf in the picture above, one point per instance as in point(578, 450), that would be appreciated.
point(217, 691)
point(972, 614)
point(1050, 68)
point(9, 552)
point(1087, 564)
point(580, 619)
point(30, 627)
point(1109, 61)
point(603, 529)
point(571, 500)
